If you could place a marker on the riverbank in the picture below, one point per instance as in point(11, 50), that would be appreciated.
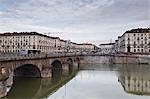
point(117, 59)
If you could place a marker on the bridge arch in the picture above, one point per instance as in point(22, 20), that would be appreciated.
point(56, 64)
point(70, 63)
point(56, 70)
point(27, 70)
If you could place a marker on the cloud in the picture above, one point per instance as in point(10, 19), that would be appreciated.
point(74, 17)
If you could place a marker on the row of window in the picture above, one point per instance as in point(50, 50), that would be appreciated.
point(141, 42)
point(141, 34)
point(17, 37)
point(138, 38)
point(25, 41)
point(141, 50)
point(141, 46)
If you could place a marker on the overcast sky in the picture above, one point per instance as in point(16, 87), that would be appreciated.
point(93, 21)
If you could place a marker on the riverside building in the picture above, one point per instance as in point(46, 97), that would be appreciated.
point(106, 48)
point(33, 42)
point(135, 41)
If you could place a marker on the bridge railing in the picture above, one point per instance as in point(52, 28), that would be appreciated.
point(44, 55)
point(33, 56)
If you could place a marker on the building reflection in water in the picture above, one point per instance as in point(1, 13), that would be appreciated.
point(135, 79)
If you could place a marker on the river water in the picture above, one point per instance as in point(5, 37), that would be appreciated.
point(92, 81)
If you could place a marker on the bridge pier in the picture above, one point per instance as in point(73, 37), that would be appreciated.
point(76, 65)
point(65, 69)
point(3, 89)
point(46, 72)
point(6, 81)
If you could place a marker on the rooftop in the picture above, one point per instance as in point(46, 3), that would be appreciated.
point(40, 34)
point(139, 30)
point(108, 44)
point(26, 33)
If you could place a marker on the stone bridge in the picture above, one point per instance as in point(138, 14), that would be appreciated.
point(35, 66)
point(44, 65)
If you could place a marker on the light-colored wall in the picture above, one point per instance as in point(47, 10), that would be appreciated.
point(131, 39)
point(16, 43)
point(106, 49)
point(9, 44)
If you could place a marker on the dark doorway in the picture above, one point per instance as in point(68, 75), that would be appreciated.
point(128, 48)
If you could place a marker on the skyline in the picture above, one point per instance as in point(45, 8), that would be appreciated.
point(97, 20)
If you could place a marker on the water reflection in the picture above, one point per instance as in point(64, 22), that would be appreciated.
point(37, 88)
point(99, 67)
point(135, 79)
point(93, 81)
point(56, 75)
point(24, 88)
point(100, 81)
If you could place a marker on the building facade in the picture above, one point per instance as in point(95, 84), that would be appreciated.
point(33, 42)
point(86, 47)
point(135, 41)
point(106, 48)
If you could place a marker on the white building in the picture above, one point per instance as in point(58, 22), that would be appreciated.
point(30, 41)
point(135, 41)
point(86, 47)
point(106, 48)
point(33, 42)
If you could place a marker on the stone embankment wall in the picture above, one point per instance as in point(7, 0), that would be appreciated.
point(116, 59)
